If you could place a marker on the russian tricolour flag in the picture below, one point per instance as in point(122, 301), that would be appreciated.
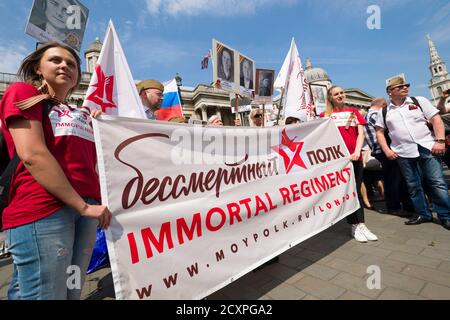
point(171, 105)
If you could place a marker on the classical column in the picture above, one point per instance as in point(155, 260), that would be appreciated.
point(204, 114)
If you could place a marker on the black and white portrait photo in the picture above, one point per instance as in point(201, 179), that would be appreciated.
point(319, 95)
point(225, 64)
point(246, 76)
point(58, 20)
point(264, 82)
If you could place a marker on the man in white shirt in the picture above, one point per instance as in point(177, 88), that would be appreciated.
point(396, 194)
point(151, 94)
point(414, 147)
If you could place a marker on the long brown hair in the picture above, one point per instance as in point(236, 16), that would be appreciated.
point(330, 106)
point(27, 70)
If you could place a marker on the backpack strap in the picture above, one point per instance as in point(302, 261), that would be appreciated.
point(428, 124)
point(384, 112)
point(416, 102)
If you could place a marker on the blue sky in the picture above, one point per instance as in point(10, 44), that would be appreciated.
point(163, 37)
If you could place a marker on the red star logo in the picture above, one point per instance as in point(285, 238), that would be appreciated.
point(294, 149)
point(102, 95)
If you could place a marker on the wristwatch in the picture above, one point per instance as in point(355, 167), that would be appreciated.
point(440, 140)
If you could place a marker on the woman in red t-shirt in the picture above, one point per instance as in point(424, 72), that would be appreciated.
point(350, 125)
point(53, 209)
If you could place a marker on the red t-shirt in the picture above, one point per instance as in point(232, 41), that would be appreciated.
point(70, 139)
point(350, 118)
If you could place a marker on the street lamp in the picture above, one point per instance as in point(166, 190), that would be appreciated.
point(179, 84)
point(178, 79)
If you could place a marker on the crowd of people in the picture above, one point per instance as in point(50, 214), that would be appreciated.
point(54, 205)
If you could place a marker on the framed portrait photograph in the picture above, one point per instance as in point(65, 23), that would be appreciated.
point(270, 115)
point(319, 95)
point(246, 76)
point(224, 65)
point(58, 20)
point(264, 85)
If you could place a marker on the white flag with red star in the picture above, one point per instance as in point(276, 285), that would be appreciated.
point(291, 78)
point(112, 88)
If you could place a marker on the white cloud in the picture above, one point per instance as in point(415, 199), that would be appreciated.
point(441, 21)
point(12, 55)
point(153, 7)
point(213, 7)
point(353, 7)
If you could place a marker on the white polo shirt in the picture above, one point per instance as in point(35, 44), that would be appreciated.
point(407, 126)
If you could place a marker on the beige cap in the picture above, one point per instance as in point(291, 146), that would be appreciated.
point(396, 81)
point(150, 84)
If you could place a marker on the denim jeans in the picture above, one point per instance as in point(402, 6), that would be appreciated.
point(433, 177)
point(395, 190)
point(44, 250)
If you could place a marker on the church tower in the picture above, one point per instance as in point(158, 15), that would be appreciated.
point(440, 80)
point(92, 54)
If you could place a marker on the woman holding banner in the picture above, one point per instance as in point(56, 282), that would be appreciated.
point(53, 210)
point(350, 125)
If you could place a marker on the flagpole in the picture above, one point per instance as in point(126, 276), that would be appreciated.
point(281, 106)
point(264, 115)
point(179, 84)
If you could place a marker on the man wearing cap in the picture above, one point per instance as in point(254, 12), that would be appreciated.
point(415, 148)
point(395, 192)
point(151, 93)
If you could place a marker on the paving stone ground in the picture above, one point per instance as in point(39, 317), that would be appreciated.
point(414, 262)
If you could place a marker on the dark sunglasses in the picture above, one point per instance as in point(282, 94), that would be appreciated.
point(401, 86)
point(259, 115)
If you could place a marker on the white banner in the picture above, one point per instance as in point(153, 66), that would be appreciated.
point(196, 208)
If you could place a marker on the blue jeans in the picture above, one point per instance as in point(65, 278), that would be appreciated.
point(44, 250)
point(432, 175)
point(395, 189)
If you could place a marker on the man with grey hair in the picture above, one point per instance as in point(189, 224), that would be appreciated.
point(151, 93)
point(215, 121)
point(395, 192)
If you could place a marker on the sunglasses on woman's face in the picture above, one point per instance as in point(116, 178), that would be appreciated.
point(259, 115)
